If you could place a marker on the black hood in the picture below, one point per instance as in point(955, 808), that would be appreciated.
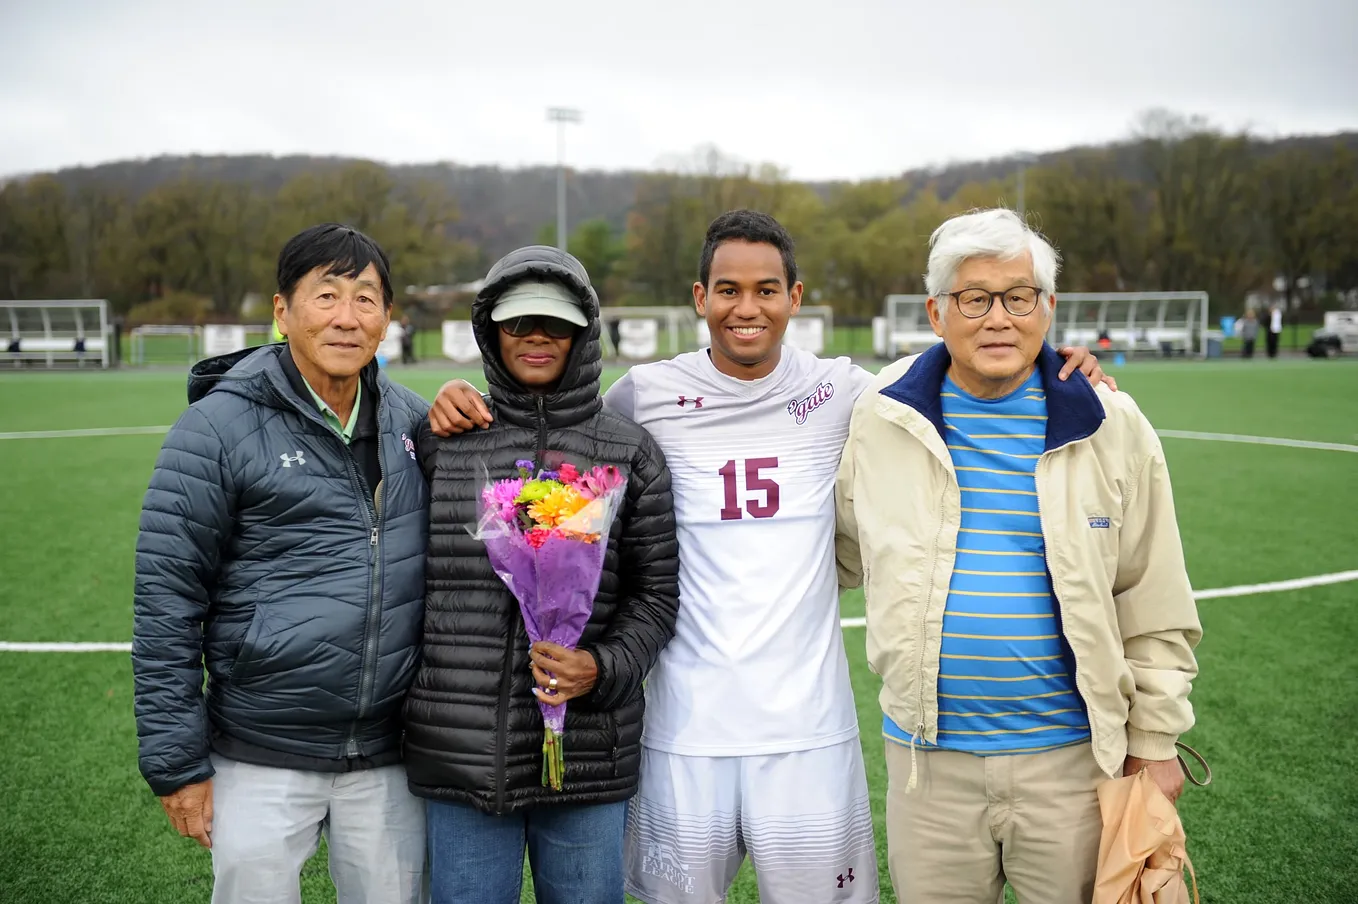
point(577, 395)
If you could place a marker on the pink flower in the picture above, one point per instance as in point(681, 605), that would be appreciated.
point(500, 496)
point(600, 481)
point(537, 536)
point(568, 473)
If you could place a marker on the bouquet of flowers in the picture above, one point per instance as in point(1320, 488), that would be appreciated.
point(546, 532)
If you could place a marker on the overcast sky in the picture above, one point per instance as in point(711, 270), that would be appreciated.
point(830, 89)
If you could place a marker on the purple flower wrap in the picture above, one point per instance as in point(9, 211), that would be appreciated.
point(555, 587)
point(554, 583)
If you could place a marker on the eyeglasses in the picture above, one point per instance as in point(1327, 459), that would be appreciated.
point(1019, 301)
point(554, 327)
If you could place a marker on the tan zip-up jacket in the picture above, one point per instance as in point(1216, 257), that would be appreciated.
point(1112, 541)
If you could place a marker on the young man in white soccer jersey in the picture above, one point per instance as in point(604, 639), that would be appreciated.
point(751, 737)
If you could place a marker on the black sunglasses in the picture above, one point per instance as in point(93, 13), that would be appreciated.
point(554, 327)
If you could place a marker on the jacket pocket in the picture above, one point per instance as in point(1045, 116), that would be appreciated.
point(613, 742)
point(245, 664)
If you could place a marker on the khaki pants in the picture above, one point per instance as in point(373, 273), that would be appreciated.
point(972, 822)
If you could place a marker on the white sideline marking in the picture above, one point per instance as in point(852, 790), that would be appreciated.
point(88, 431)
point(13, 647)
point(1317, 580)
point(1259, 440)
point(1169, 434)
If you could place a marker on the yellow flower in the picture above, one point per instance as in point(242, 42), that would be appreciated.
point(557, 506)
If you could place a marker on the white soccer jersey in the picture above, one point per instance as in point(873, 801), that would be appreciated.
point(757, 664)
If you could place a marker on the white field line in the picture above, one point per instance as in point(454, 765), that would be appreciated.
point(1258, 440)
point(1318, 580)
point(88, 431)
point(1169, 434)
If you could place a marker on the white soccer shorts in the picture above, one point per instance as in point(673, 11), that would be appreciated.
point(803, 817)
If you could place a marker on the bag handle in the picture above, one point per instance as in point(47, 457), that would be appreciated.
point(1188, 773)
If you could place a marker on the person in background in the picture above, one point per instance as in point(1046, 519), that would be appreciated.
point(1275, 330)
point(1249, 331)
point(407, 341)
point(1028, 607)
point(281, 549)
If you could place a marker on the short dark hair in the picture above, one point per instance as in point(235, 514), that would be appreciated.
point(342, 250)
point(747, 226)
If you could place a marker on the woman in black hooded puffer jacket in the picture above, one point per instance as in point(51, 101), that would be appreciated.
point(474, 733)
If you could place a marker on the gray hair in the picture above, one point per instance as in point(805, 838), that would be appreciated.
point(988, 233)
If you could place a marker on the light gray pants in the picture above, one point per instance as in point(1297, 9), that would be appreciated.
point(267, 822)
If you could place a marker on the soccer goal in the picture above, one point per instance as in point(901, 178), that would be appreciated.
point(165, 344)
point(1145, 323)
point(636, 333)
point(56, 333)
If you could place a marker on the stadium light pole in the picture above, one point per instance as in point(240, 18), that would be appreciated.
point(1024, 161)
point(561, 116)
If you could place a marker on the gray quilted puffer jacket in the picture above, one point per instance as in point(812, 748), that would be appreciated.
point(263, 556)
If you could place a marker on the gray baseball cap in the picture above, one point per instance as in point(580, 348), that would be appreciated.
point(541, 298)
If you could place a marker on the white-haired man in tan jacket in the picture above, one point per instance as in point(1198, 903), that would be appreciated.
point(1028, 608)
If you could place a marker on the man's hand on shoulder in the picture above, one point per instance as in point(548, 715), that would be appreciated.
point(190, 811)
point(458, 408)
point(1080, 358)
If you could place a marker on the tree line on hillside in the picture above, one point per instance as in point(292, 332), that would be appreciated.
point(1179, 206)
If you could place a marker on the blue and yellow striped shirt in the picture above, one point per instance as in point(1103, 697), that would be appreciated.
point(1006, 680)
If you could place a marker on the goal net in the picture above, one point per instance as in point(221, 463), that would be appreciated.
point(56, 333)
point(1145, 323)
point(164, 344)
point(645, 333)
point(173, 344)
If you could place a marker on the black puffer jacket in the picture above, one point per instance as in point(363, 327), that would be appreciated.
point(473, 728)
point(264, 555)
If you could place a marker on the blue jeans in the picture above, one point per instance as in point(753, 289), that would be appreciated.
point(575, 853)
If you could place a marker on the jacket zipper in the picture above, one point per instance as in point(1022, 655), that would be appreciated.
point(502, 726)
point(919, 733)
point(371, 522)
point(542, 430)
point(371, 628)
point(1060, 606)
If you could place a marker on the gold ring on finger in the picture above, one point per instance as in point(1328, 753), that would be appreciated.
point(552, 684)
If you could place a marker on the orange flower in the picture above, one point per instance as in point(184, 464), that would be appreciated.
point(557, 506)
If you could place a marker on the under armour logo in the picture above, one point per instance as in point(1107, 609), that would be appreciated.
point(290, 460)
point(697, 402)
point(845, 877)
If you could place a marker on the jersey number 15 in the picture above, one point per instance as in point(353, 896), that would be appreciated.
point(753, 484)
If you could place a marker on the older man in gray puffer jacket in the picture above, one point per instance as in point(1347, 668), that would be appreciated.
point(282, 547)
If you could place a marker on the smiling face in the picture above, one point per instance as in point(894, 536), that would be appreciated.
point(333, 323)
point(747, 304)
point(992, 354)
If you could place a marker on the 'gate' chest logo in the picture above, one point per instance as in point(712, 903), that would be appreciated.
point(801, 409)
